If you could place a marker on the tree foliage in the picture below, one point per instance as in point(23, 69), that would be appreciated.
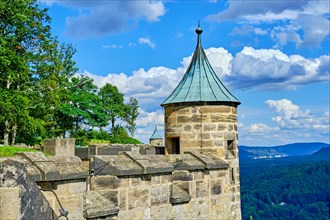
point(112, 102)
point(290, 191)
point(40, 94)
point(130, 114)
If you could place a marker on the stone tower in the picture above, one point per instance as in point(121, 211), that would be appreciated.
point(155, 138)
point(201, 115)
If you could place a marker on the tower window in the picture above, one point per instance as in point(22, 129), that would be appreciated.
point(232, 175)
point(176, 145)
point(230, 154)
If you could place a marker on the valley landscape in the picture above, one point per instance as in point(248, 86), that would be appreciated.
point(296, 186)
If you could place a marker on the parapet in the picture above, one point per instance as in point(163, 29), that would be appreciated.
point(129, 163)
point(115, 149)
point(42, 168)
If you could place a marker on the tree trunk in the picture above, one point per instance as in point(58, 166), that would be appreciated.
point(13, 140)
point(6, 134)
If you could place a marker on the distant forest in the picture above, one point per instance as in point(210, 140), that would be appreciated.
point(286, 188)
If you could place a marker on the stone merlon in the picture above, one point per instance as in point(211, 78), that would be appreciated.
point(136, 164)
point(42, 168)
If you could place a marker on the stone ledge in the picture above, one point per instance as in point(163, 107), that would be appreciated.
point(116, 165)
point(185, 162)
point(209, 160)
point(96, 205)
point(180, 192)
point(42, 168)
point(151, 163)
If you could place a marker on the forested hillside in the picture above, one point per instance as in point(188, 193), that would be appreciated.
point(284, 189)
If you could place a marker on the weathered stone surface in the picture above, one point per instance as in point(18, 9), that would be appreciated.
point(182, 176)
point(215, 187)
point(112, 150)
point(198, 175)
point(222, 127)
point(187, 128)
point(44, 168)
point(209, 127)
point(202, 188)
point(96, 205)
point(60, 146)
point(116, 165)
point(210, 161)
point(151, 163)
point(105, 182)
point(180, 192)
point(159, 195)
point(10, 205)
point(32, 203)
point(82, 153)
point(185, 162)
point(138, 198)
point(122, 200)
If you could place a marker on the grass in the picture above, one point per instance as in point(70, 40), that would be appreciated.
point(9, 151)
point(97, 141)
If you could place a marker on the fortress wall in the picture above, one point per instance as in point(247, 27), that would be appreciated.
point(134, 186)
point(186, 186)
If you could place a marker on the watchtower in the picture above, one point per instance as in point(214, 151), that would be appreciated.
point(201, 113)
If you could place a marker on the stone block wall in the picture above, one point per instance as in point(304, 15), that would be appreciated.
point(61, 179)
point(20, 197)
point(194, 185)
point(204, 127)
point(189, 186)
point(60, 146)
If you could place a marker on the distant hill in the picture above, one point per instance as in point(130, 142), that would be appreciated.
point(323, 153)
point(295, 149)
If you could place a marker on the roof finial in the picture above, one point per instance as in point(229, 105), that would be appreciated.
point(199, 29)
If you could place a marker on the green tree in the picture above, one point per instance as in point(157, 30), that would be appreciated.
point(130, 114)
point(82, 106)
point(112, 102)
point(24, 35)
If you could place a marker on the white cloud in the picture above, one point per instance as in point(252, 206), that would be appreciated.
point(269, 69)
point(147, 41)
point(264, 69)
point(261, 128)
point(99, 18)
point(290, 116)
point(305, 23)
point(291, 124)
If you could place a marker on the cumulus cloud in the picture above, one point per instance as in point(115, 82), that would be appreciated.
point(303, 22)
point(270, 69)
point(264, 69)
point(290, 124)
point(99, 18)
point(290, 116)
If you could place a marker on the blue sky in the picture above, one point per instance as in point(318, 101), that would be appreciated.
point(272, 55)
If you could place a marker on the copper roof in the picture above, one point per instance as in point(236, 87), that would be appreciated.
point(155, 135)
point(200, 83)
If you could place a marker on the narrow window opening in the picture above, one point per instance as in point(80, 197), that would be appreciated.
point(176, 145)
point(232, 175)
point(230, 154)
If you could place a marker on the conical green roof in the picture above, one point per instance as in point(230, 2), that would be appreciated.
point(155, 135)
point(200, 83)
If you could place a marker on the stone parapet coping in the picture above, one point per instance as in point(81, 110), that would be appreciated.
point(209, 160)
point(42, 168)
point(129, 163)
